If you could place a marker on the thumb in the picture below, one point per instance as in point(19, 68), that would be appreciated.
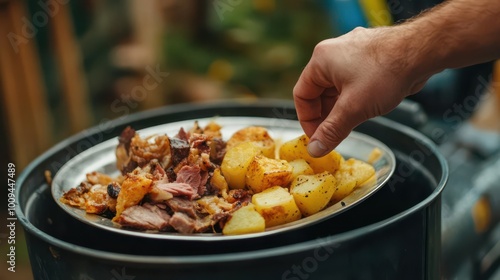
point(341, 120)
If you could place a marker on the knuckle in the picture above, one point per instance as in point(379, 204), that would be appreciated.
point(322, 47)
point(358, 29)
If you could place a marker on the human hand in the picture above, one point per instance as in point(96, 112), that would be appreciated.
point(349, 79)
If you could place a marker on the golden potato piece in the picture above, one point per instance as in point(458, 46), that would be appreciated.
point(300, 167)
point(297, 149)
point(133, 190)
point(352, 173)
point(244, 220)
point(264, 173)
point(256, 134)
point(313, 192)
point(235, 163)
point(277, 206)
point(374, 155)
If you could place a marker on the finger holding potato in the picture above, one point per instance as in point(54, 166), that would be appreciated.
point(297, 149)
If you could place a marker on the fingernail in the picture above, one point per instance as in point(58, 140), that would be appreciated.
point(316, 148)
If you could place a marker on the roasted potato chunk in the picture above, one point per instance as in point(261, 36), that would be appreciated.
point(256, 134)
point(244, 220)
point(277, 206)
point(351, 174)
point(300, 167)
point(297, 149)
point(313, 192)
point(264, 173)
point(236, 161)
point(132, 191)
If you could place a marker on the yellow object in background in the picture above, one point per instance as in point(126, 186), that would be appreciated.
point(264, 5)
point(220, 70)
point(481, 214)
point(377, 12)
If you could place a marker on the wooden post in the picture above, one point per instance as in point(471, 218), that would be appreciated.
point(68, 56)
point(29, 130)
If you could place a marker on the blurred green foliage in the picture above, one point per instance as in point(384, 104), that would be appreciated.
point(252, 47)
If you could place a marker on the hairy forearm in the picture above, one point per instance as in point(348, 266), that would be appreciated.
point(456, 34)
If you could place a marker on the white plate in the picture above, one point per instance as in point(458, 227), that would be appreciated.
point(102, 158)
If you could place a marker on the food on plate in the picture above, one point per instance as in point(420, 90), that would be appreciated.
point(196, 182)
point(257, 135)
point(313, 192)
point(300, 167)
point(297, 149)
point(236, 161)
point(263, 173)
point(351, 174)
point(276, 205)
point(244, 220)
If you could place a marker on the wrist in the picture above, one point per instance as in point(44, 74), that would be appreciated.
point(407, 56)
point(454, 34)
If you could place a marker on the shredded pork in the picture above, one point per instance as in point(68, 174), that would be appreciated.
point(165, 183)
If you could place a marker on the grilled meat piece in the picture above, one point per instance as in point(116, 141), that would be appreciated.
point(126, 137)
point(179, 148)
point(178, 204)
point(145, 217)
point(192, 175)
point(176, 189)
point(122, 151)
point(133, 151)
point(159, 195)
point(158, 172)
point(96, 199)
point(182, 135)
point(200, 143)
point(217, 150)
point(142, 150)
point(182, 223)
point(75, 196)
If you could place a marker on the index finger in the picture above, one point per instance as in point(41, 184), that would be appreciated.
point(307, 99)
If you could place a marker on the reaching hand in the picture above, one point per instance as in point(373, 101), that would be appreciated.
point(368, 72)
point(350, 79)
